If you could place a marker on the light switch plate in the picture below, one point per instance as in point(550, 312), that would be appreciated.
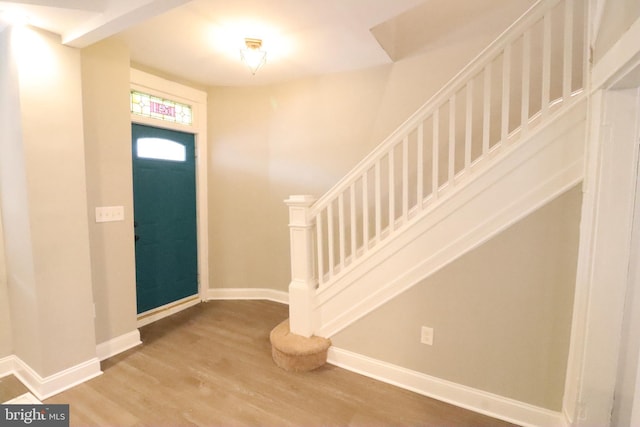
point(109, 213)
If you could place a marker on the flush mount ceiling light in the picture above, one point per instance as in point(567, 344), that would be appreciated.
point(253, 55)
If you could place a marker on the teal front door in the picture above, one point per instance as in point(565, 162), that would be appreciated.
point(164, 196)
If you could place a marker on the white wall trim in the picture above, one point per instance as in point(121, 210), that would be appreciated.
point(622, 57)
point(470, 398)
point(7, 366)
point(118, 345)
point(44, 388)
point(604, 258)
point(248, 294)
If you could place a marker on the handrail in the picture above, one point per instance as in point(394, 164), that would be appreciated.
point(535, 12)
point(508, 89)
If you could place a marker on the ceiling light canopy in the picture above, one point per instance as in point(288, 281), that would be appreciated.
point(253, 55)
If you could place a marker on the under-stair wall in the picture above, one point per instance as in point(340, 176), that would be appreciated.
point(501, 319)
point(501, 139)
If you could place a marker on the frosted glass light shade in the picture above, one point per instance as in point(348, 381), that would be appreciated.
point(253, 55)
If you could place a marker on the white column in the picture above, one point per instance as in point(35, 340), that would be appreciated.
point(302, 288)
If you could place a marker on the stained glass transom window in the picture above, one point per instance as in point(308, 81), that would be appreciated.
point(155, 107)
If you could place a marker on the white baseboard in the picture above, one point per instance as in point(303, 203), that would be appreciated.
point(7, 366)
point(118, 344)
point(456, 394)
point(248, 293)
point(43, 388)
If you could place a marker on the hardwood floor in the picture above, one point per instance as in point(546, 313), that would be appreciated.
point(11, 387)
point(211, 365)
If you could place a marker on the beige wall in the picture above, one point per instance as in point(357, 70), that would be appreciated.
point(301, 137)
point(13, 204)
point(44, 204)
point(7, 133)
point(6, 344)
point(617, 18)
point(107, 133)
point(54, 154)
point(501, 314)
point(266, 144)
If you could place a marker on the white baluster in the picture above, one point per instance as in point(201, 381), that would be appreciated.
point(378, 198)
point(330, 240)
point(365, 213)
point(435, 154)
point(468, 126)
point(341, 233)
point(546, 63)
point(486, 122)
point(586, 64)
point(452, 141)
point(506, 93)
point(405, 179)
point(526, 81)
point(420, 173)
point(392, 190)
point(354, 222)
point(568, 50)
point(320, 248)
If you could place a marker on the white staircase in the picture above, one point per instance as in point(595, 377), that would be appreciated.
point(502, 138)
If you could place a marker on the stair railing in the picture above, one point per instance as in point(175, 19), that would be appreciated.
point(535, 69)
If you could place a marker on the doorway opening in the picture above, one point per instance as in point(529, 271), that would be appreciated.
point(165, 218)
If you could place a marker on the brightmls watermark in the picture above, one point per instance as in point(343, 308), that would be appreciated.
point(34, 415)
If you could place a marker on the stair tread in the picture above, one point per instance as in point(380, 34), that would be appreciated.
point(292, 344)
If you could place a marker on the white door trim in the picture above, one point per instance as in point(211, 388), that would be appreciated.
point(154, 85)
point(601, 287)
point(604, 261)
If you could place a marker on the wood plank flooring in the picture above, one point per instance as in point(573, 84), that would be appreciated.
point(11, 387)
point(211, 365)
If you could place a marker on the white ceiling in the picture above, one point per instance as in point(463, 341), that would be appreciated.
point(203, 38)
point(199, 40)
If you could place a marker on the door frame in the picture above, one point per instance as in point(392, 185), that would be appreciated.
point(157, 86)
point(604, 308)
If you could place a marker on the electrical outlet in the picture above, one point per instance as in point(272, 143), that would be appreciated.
point(426, 335)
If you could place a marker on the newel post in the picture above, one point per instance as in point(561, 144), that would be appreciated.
point(302, 288)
